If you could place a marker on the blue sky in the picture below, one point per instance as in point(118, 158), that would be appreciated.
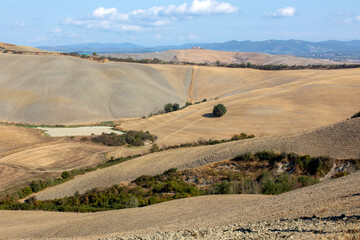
point(149, 23)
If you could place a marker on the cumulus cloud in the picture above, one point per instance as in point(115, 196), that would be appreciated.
point(283, 12)
point(157, 16)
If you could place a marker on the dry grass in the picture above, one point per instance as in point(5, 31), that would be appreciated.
point(341, 140)
point(67, 90)
point(258, 102)
point(211, 57)
point(12, 47)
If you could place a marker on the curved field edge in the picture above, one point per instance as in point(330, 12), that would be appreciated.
point(328, 198)
point(341, 140)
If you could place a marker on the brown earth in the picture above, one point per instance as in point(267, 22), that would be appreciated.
point(26, 154)
point(329, 198)
point(45, 89)
point(339, 141)
point(12, 47)
point(212, 56)
point(258, 102)
point(18, 137)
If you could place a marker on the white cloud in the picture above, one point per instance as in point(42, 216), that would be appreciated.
point(344, 17)
point(283, 12)
point(157, 16)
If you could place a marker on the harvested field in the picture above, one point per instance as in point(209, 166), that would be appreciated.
point(47, 160)
point(12, 138)
point(46, 89)
point(68, 90)
point(330, 198)
point(26, 154)
point(341, 140)
point(12, 47)
point(211, 56)
point(258, 102)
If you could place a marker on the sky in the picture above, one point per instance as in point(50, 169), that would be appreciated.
point(152, 23)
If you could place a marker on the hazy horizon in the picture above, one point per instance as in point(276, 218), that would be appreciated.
point(39, 23)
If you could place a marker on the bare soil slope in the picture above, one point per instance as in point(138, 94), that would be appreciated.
point(330, 198)
point(211, 57)
point(341, 140)
point(258, 102)
point(18, 137)
point(58, 89)
point(67, 90)
point(12, 47)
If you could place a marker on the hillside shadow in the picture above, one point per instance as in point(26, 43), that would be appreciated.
point(209, 115)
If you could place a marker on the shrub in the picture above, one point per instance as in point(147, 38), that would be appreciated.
point(37, 186)
point(219, 110)
point(168, 108)
point(223, 188)
point(132, 138)
point(268, 156)
point(171, 107)
point(356, 115)
point(65, 175)
point(176, 107)
point(154, 148)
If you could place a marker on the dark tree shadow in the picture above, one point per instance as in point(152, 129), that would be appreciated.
point(209, 115)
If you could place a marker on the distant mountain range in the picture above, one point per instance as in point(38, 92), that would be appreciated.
point(335, 50)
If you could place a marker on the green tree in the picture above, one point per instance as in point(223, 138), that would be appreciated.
point(168, 108)
point(356, 115)
point(219, 110)
point(175, 106)
point(94, 54)
point(65, 175)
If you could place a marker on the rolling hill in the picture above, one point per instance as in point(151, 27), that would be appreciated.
point(208, 213)
point(211, 57)
point(67, 90)
point(338, 141)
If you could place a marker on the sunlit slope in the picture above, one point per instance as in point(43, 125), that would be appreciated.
point(340, 140)
point(329, 198)
point(57, 89)
point(258, 102)
point(67, 90)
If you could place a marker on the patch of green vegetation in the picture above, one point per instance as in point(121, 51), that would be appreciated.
point(356, 115)
point(219, 110)
point(36, 186)
point(130, 138)
point(174, 184)
point(203, 142)
point(145, 190)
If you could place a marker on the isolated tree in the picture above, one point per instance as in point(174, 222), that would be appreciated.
point(94, 54)
point(219, 110)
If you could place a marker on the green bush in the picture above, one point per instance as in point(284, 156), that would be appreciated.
point(356, 115)
point(176, 107)
point(132, 138)
point(154, 148)
point(65, 175)
point(219, 110)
